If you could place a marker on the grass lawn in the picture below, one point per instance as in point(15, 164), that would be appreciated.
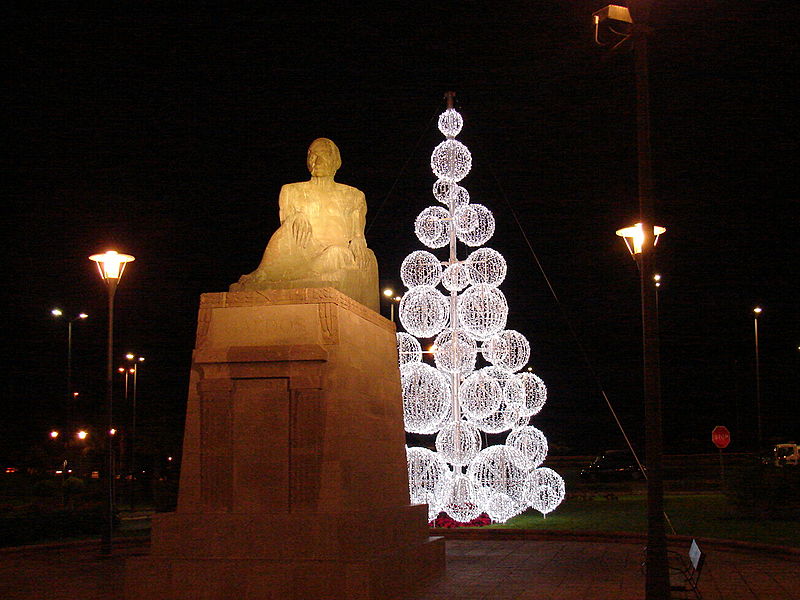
point(697, 515)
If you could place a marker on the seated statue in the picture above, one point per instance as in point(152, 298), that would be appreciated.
point(320, 242)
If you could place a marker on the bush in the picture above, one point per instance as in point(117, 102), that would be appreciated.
point(36, 526)
point(765, 491)
point(74, 485)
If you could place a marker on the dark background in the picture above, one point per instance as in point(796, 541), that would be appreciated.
point(168, 136)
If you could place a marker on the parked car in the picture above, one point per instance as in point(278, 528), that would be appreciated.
point(612, 465)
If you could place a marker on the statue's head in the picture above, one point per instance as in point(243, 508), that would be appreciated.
point(323, 158)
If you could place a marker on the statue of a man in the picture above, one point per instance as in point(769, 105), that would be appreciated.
point(320, 242)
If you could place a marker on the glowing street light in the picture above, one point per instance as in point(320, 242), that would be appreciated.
point(111, 266)
point(82, 435)
point(634, 238)
point(393, 299)
point(136, 360)
point(57, 313)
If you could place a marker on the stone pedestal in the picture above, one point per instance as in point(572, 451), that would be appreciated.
point(294, 480)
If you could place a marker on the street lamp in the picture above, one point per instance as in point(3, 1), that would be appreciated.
point(57, 313)
point(756, 314)
point(111, 266)
point(622, 24)
point(136, 360)
point(390, 295)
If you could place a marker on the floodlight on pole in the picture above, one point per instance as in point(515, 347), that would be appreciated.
point(111, 265)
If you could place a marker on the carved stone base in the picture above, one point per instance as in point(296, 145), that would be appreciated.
point(294, 479)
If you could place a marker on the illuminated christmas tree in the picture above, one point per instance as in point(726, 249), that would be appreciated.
point(457, 399)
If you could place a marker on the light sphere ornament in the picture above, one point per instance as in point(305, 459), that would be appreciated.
point(421, 268)
point(455, 351)
point(409, 349)
point(426, 397)
point(502, 419)
point(486, 265)
point(432, 227)
point(530, 442)
point(535, 393)
point(465, 219)
point(501, 507)
point(480, 395)
point(498, 469)
point(513, 392)
point(455, 277)
point(451, 160)
point(483, 229)
point(450, 193)
point(424, 311)
point(482, 311)
point(429, 479)
point(450, 123)
point(547, 490)
point(508, 349)
point(465, 500)
point(458, 442)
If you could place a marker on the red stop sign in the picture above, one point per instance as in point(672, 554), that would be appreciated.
point(721, 436)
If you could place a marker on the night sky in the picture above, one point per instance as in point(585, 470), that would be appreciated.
point(168, 136)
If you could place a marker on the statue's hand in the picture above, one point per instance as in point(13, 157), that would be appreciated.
point(301, 230)
point(358, 247)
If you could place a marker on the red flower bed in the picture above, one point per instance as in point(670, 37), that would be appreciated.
point(443, 520)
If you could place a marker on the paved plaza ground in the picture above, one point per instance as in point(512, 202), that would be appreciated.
point(476, 570)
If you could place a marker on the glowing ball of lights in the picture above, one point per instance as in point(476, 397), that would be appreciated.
point(513, 391)
point(409, 349)
point(531, 444)
point(465, 500)
point(480, 395)
point(458, 442)
point(429, 479)
point(451, 160)
point(455, 277)
point(450, 193)
point(424, 311)
point(421, 268)
point(426, 397)
point(450, 123)
point(502, 419)
point(547, 490)
point(433, 227)
point(498, 469)
point(535, 393)
point(508, 350)
point(455, 351)
point(465, 219)
point(482, 311)
point(483, 229)
point(486, 266)
point(501, 507)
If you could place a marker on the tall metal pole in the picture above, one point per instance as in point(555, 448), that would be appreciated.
point(656, 568)
point(108, 528)
point(756, 312)
point(133, 440)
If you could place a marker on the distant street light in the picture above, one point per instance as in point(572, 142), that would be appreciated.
point(389, 293)
point(136, 360)
point(756, 314)
point(111, 266)
point(71, 394)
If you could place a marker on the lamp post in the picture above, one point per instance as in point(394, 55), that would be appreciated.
point(57, 312)
point(136, 360)
point(756, 314)
point(389, 293)
point(111, 266)
point(631, 23)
